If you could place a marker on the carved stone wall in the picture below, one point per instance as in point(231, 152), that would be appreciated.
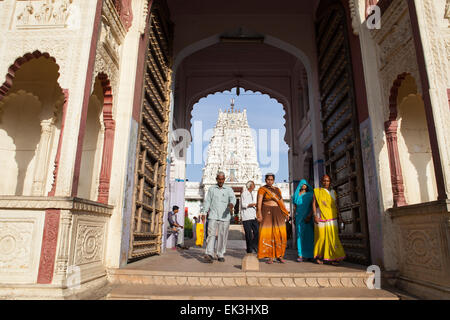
point(434, 21)
point(396, 52)
point(79, 255)
point(20, 245)
point(88, 244)
point(112, 34)
point(396, 55)
point(58, 29)
point(423, 237)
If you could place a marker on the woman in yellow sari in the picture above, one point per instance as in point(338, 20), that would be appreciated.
point(327, 245)
point(271, 214)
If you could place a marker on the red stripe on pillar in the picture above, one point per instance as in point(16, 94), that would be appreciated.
point(48, 248)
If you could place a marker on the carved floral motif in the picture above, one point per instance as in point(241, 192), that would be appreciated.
point(421, 248)
point(89, 244)
point(15, 245)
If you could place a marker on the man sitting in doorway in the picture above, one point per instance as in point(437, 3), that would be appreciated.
point(174, 228)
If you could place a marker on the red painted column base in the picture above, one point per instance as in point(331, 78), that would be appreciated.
point(398, 188)
point(48, 249)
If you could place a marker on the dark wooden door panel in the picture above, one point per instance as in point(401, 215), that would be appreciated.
point(341, 131)
point(146, 232)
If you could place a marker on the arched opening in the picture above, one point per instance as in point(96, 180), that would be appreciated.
point(227, 51)
point(414, 145)
point(265, 117)
point(92, 145)
point(30, 108)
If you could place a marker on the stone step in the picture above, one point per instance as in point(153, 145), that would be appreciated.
point(348, 279)
point(182, 292)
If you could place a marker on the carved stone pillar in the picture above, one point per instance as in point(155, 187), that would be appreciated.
point(108, 146)
point(62, 257)
point(398, 188)
point(58, 151)
point(41, 164)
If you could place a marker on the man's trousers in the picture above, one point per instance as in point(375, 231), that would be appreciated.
point(221, 229)
point(251, 228)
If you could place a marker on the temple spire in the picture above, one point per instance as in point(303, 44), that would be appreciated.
point(232, 105)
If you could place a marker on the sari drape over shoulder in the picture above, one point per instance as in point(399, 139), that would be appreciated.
point(327, 245)
point(304, 231)
point(272, 229)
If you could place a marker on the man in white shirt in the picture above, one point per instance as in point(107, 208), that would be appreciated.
point(219, 202)
point(248, 209)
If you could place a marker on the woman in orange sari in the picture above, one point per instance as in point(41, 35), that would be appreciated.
point(271, 214)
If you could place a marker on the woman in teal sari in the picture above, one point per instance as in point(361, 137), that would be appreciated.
point(302, 200)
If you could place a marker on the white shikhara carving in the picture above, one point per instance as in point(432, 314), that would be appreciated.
point(232, 150)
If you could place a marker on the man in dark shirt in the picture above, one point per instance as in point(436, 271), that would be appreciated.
point(172, 228)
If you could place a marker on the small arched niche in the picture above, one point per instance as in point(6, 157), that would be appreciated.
point(91, 157)
point(29, 129)
point(414, 145)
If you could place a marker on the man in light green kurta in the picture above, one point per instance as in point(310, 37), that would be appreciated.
point(219, 201)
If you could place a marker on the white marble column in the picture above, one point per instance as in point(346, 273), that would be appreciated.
point(42, 154)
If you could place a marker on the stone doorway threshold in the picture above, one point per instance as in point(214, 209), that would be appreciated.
point(182, 274)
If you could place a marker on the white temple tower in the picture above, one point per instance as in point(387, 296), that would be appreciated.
point(232, 150)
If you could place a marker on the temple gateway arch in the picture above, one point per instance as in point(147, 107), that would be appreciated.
point(93, 92)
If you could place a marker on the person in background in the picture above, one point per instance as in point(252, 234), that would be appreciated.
point(173, 227)
point(220, 202)
point(248, 209)
point(194, 228)
point(304, 226)
point(327, 245)
point(200, 231)
point(271, 214)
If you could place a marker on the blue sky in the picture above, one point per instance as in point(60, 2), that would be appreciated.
point(263, 113)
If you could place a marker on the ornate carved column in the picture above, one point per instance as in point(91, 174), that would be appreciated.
point(58, 151)
point(398, 188)
point(108, 145)
point(40, 169)
point(62, 257)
